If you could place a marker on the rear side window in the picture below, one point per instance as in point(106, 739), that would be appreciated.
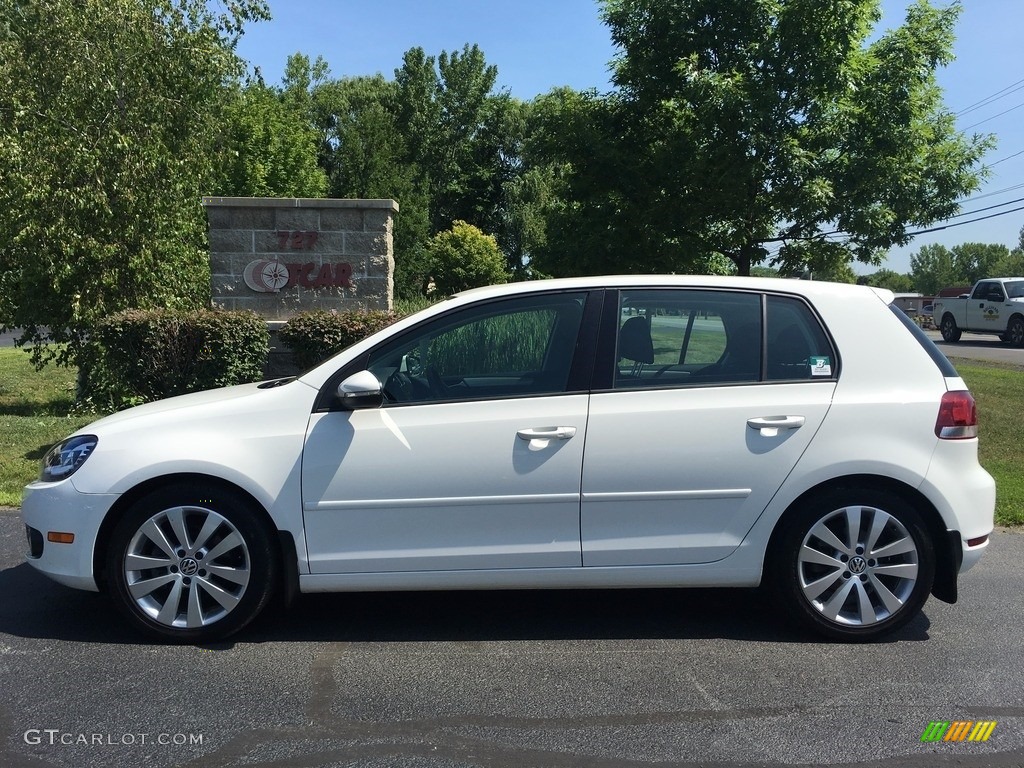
point(671, 338)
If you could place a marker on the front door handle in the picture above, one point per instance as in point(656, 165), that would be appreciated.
point(546, 433)
point(769, 426)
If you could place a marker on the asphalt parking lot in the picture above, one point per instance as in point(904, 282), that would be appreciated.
point(508, 680)
point(979, 346)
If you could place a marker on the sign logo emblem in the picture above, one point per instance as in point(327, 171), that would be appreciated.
point(958, 730)
point(265, 276)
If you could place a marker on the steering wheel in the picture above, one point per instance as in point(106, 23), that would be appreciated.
point(437, 386)
point(399, 388)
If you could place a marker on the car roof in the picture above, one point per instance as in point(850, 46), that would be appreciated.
point(808, 288)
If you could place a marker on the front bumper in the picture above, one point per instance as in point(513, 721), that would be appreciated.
point(60, 508)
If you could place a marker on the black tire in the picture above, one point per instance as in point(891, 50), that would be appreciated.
point(192, 563)
point(827, 580)
point(1015, 331)
point(949, 329)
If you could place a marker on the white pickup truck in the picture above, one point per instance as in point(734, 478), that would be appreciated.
point(992, 306)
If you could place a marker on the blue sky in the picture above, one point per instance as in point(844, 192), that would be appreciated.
point(540, 44)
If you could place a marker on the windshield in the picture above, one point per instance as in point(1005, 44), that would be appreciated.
point(1015, 289)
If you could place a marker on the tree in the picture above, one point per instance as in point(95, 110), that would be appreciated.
point(1012, 265)
point(366, 156)
point(888, 278)
point(463, 140)
point(933, 268)
point(742, 124)
point(464, 257)
point(271, 146)
point(437, 140)
point(110, 120)
point(976, 261)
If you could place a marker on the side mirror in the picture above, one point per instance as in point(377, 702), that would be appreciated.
point(361, 390)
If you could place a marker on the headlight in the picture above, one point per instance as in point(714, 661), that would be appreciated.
point(66, 457)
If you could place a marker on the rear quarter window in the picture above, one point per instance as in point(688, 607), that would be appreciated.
point(940, 360)
point(797, 346)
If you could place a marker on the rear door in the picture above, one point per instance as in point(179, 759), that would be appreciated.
point(686, 446)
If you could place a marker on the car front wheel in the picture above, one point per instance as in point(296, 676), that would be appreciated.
point(949, 329)
point(192, 564)
point(853, 565)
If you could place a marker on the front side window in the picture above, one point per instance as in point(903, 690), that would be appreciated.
point(511, 348)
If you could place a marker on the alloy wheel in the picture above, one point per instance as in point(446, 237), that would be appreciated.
point(187, 567)
point(857, 566)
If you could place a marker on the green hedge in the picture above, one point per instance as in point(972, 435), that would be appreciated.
point(316, 335)
point(140, 355)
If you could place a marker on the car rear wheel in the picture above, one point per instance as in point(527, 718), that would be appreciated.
point(949, 329)
point(191, 563)
point(853, 564)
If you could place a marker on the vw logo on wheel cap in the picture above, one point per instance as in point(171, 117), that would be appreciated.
point(857, 564)
point(188, 567)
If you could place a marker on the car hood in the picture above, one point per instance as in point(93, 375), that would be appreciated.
point(209, 397)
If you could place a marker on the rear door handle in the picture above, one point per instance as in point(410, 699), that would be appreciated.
point(546, 433)
point(769, 426)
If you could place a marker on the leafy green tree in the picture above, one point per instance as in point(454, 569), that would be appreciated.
point(271, 147)
point(366, 156)
point(976, 261)
point(463, 140)
point(888, 278)
point(464, 257)
point(934, 268)
point(437, 140)
point(742, 124)
point(590, 225)
point(110, 122)
point(1012, 265)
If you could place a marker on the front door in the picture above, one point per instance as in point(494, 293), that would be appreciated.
point(474, 461)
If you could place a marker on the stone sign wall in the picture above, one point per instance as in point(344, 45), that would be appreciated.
point(280, 256)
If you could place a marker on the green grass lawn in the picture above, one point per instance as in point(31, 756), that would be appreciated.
point(999, 393)
point(37, 410)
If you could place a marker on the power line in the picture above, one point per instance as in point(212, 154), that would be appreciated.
point(1011, 88)
point(1008, 157)
point(962, 223)
point(846, 236)
point(1004, 112)
point(993, 193)
point(988, 208)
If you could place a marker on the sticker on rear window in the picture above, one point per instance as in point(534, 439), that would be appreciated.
point(821, 366)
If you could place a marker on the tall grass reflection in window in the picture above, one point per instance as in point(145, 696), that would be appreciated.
point(509, 343)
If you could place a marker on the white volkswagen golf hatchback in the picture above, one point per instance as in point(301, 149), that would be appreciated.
point(585, 433)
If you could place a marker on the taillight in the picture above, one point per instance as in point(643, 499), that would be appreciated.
point(958, 416)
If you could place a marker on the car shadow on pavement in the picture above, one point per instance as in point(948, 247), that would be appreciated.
point(35, 607)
